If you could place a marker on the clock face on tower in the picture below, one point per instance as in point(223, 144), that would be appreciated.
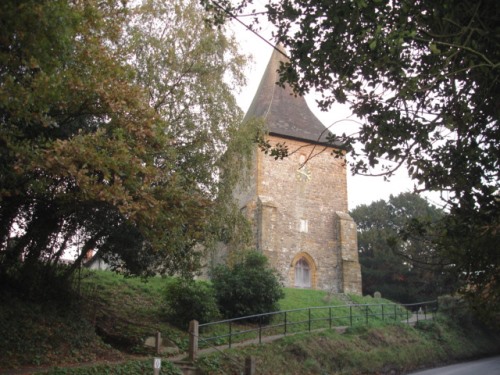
point(303, 173)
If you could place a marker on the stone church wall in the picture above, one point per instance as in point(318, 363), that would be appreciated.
point(293, 210)
point(348, 239)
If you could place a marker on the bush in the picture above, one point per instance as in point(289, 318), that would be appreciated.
point(250, 287)
point(187, 300)
point(456, 309)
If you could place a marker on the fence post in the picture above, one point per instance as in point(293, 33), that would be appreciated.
point(249, 365)
point(260, 329)
point(156, 366)
point(395, 313)
point(382, 312)
point(230, 334)
point(285, 324)
point(330, 318)
point(158, 342)
point(309, 320)
point(366, 313)
point(350, 314)
point(193, 339)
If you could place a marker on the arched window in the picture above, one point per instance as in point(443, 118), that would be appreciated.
point(302, 274)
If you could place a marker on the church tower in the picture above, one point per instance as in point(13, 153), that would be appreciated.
point(298, 205)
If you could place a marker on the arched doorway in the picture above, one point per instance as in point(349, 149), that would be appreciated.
point(302, 274)
point(303, 271)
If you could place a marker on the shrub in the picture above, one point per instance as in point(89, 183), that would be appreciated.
point(187, 300)
point(456, 309)
point(250, 287)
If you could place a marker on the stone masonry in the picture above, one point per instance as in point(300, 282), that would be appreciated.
point(296, 217)
point(298, 205)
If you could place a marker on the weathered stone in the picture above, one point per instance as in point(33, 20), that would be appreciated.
point(166, 346)
point(298, 205)
point(150, 341)
point(377, 295)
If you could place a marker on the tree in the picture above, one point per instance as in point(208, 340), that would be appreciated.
point(191, 78)
point(400, 263)
point(187, 300)
point(249, 287)
point(105, 146)
point(422, 77)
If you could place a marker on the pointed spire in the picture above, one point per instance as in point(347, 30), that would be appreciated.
point(285, 113)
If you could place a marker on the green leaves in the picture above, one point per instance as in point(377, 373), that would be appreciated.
point(423, 79)
point(187, 300)
point(114, 121)
point(398, 242)
point(414, 70)
point(434, 49)
point(247, 288)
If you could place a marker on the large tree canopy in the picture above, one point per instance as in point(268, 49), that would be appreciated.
point(422, 77)
point(113, 123)
point(395, 260)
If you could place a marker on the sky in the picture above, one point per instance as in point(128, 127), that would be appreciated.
point(361, 189)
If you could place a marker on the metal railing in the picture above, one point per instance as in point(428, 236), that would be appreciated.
point(257, 327)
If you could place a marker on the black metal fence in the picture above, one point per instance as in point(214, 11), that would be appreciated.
point(258, 327)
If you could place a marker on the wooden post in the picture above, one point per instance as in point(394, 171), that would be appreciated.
point(285, 324)
point(193, 339)
point(309, 320)
point(158, 342)
point(156, 366)
point(260, 329)
point(250, 366)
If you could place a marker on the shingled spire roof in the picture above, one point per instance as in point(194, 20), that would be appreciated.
point(285, 113)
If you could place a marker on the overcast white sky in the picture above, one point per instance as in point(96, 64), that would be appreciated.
point(361, 190)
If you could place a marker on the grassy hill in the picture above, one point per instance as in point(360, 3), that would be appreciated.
point(393, 349)
point(110, 318)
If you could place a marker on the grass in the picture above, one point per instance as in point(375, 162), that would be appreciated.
point(301, 298)
point(126, 310)
point(113, 315)
point(33, 334)
point(131, 367)
point(108, 320)
point(111, 319)
point(305, 310)
point(368, 349)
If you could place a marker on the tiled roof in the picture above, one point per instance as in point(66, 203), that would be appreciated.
point(285, 113)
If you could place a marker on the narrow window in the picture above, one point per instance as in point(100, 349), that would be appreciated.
point(304, 226)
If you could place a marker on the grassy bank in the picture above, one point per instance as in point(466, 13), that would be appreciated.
point(107, 319)
point(110, 317)
point(384, 349)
